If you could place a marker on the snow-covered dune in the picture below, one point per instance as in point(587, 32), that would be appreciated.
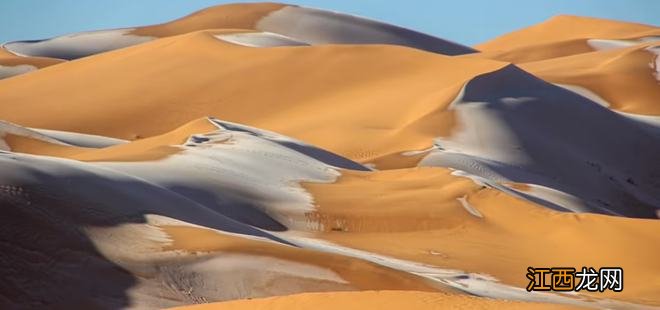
point(76, 45)
point(234, 185)
point(315, 26)
point(12, 65)
point(541, 134)
point(288, 25)
point(9, 71)
point(261, 150)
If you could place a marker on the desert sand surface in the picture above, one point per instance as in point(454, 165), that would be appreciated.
point(11, 64)
point(351, 82)
point(619, 76)
point(267, 156)
point(373, 300)
point(563, 35)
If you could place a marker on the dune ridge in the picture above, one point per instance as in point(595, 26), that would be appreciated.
point(339, 224)
point(313, 26)
point(560, 36)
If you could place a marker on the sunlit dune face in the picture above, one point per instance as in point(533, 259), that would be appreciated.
point(415, 86)
point(381, 300)
point(623, 77)
point(39, 62)
point(512, 233)
point(12, 65)
point(591, 53)
point(391, 201)
point(543, 51)
point(566, 28)
point(152, 148)
point(236, 16)
point(358, 274)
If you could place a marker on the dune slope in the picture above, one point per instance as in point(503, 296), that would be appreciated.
point(307, 25)
point(373, 300)
point(202, 209)
point(563, 35)
point(346, 82)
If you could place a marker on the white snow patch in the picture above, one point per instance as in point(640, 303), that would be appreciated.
point(481, 132)
point(472, 283)
point(10, 128)
point(655, 64)
point(77, 45)
point(554, 140)
point(559, 198)
point(608, 44)
point(80, 139)
point(604, 45)
point(467, 206)
point(584, 92)
point(314, 26)
point(241, 167)
point(259, 39)
point(650, 123)
point(9, 71)
point(418, 152)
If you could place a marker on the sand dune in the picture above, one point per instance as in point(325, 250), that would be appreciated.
point(208, 180)
point(560, 36)
point(311, 26)
point(621, 76)
point(308, 25)
point(11, 64)
point(310, 158)
point(416, 221)
point(373, 300)
point(517, 108)
point(76, 45)
point(349, 88)
point(609, 62)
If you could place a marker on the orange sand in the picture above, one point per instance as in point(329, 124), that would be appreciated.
point(338, 91)
point(384, 300)
point(559, 36)
point(622, 77)
point(9, 59)
point(557, 51)
point(567, 28)
point(146, 149)
point(360, 274)
point(376, 212)
point(368, 103)
point(400, 200)
point(239, 16)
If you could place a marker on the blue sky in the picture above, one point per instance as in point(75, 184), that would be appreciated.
point(465, 21)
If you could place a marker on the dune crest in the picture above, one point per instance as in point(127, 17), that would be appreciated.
point(568, 28)
point(313, 26)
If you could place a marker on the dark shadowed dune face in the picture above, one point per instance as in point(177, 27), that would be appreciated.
point(48, 266)
point(586, 154)
point(112, 196)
